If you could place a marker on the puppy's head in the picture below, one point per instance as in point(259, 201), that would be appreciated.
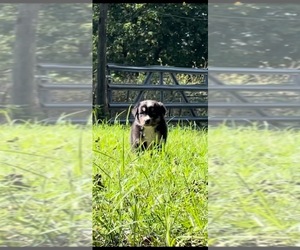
point(149, 112)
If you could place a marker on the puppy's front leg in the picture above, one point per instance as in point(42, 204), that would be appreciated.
point(136, 136)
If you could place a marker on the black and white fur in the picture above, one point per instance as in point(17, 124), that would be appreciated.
point(149, 129)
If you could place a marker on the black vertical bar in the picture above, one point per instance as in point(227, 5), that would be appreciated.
point(101, 107)
point(182, 93)
point(146, 82)
point(161, 82)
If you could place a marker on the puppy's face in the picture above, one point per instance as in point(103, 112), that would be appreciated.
point(149, 113)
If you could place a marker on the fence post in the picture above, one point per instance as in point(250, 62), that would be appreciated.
point(101, 89)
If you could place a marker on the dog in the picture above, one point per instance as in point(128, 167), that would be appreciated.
point(149, 129)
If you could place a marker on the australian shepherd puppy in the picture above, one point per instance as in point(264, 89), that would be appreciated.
point(149, 129)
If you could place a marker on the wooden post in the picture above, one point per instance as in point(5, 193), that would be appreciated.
point(101, 107)
point(23, 89)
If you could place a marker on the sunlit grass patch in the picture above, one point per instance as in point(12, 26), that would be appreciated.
point(155, 199)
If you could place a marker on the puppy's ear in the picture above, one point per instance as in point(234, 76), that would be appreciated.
point(135, 110)
point(162, 108)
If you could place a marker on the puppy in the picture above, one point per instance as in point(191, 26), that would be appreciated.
point(149, 129)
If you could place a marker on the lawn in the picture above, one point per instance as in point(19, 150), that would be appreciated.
point(45, 185)
point(254, 187)
point(151, 199)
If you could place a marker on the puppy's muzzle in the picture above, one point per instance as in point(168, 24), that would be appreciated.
point(147, 121)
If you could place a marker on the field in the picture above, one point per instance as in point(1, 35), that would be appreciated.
point(157, 199)
point(49, 173)
point(45, 185)
point(46, 188)
point(254, 187)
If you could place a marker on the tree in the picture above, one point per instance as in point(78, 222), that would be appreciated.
point(152, 34)
point(64, 33)
point(24, 61)
point(254, 35)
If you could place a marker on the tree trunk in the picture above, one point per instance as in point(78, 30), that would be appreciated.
point(23, 90)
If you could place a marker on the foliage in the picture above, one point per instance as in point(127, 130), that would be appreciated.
point(7, 23)
point(254, 34)
point(253, 186)
point(63, 36)
point(45, 185)
point(151, 199)
point(152, 34)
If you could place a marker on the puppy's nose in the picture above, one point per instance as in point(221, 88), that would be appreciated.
point(147, 121)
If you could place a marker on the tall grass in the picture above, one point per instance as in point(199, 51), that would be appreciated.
point(45, 185)
point(150, 199)
point(254, 187)
point(157, 199)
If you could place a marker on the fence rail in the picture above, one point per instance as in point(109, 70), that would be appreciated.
point(167, 105)
point(273, 102)
point(195, 87)
point(62, 67)
point(73, 107)
point(254, 119)
point(276, 102)
point(162, 69)
point(66, 86)
point(159, 85)
point(237, 70)
point(260, 87)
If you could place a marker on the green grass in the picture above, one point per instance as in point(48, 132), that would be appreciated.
point(158, 200)
point(149, 200)
point(49, 204)
point(254, 187)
